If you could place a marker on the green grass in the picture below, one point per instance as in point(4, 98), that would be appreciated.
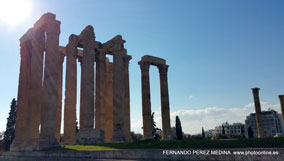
point(88, 147)
point(193, 143)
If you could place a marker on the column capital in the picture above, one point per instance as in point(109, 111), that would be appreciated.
point(255, 91)
point(37, 39)
point(73, 40)
point(163, 69)
point(102, 51)
point(101, 55)
point(61, 58)
point(117, 53)
point(87, 37)
point(53, 27)
point(144, 65)
point(126, 59)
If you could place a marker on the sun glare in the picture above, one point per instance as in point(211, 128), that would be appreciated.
point(14, 11)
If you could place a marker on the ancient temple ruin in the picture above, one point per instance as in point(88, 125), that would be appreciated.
point(104, 89)
point(145, 63)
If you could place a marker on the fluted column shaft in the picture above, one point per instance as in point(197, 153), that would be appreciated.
point(22, 104)
point(259, 124)
point(126, 116)
point(87, 80)
point(146, 100)
point(109, 101)
point(69, 136)
point(35, 90)
point(59, 101)
point(100, 91)
point(118, 97)
point(50, 88)
point(165, 107)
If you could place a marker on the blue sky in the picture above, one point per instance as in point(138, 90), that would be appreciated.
point(217, 51)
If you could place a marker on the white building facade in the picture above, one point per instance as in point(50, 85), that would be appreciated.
point(230, 129)
point(271, 120)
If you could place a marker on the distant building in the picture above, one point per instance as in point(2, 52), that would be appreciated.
point(209, 133)
point(233, 129)
point(271, 120)
point(1, 135)
point(172, 134)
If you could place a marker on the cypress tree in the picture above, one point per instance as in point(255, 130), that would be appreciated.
point(250, 132)
point(178, 129)
point(203, 133)
point(223, 130)
point(10, 127)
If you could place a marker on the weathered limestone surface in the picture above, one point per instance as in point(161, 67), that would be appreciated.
point(118, 97)
point(50, 86)
point(35, 90)
point(165, 107)
point(23, 89)
point(126, 116)
point(109, 101)
point(153, 60)
point(114, 45)
point(59, 101)
point(281, 98)
point(69, 136)
point(87, 39)
point(100, 115)
point(259, 125)
point(146, 100)
point(41, 94)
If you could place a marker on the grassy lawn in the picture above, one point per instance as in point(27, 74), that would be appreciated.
point(194, 143)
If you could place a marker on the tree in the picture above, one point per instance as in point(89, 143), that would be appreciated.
point(223, 130)
point(136, 137)
point(250, 132)
point(178, 129)
point(203, 133)
point(10, 127)
point(155, 131)
point(77, 128)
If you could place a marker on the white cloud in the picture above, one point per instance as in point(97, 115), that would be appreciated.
point(190, 97)
point(193, 120)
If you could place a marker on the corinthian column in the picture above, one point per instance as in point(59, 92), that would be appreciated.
point(109, 101)
point(259, 125)
point(69, 136)
point(146, 100)
point(22, 104)
point(126, 116)
point(118, 97)
point(100, 90)
point(50, 87)
point(163, 70)
point(87, 38)
point(59, 101)
point(35, 90)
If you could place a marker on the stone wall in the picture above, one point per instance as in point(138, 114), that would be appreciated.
point(142, 154)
